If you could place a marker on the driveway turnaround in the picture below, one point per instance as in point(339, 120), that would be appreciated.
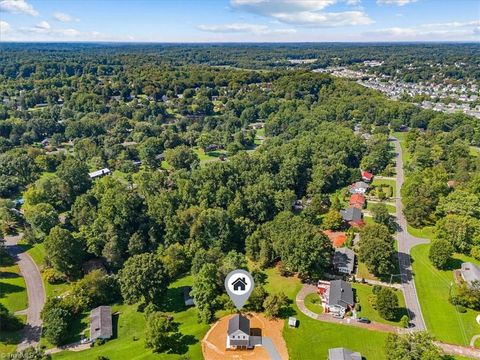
point(35, 291)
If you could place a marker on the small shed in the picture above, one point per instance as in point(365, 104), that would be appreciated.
point(101, 323)
point(292, 321)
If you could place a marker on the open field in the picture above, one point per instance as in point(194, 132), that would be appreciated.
point(433, 287)
point(129, 337)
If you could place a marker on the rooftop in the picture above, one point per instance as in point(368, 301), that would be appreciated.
point(343, 354)
point(345, 258)
point(239, 322)
point(101, 323)
point(470, 272)
point(340, 294)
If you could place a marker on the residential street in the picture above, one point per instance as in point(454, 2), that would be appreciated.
point(405, 243)
point(35, 291)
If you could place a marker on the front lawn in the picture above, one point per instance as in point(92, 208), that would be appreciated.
point(426, 232)
point(433, 288)
point(386, 184)
point(129, 333)
point(391, 209)
point(363, 291)
point(314, 303)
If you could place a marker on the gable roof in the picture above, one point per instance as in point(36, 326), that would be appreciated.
point(470, 272)
point(344, 257)
point(351, 214)
point(340, 293)
point(338, 238)
point(367, 175)
point(357, 199)
point(239, 322)
point(361, 185)
point(343, 354)
point(101, 323)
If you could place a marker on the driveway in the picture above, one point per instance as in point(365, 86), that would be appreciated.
point(405, 243)
point(35, 291)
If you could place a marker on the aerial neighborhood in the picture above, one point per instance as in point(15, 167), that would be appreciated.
point(214, 182)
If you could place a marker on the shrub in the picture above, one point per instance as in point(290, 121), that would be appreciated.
point(52, 276)
point(358, 307)
point(461, 309)
point(376, 289)
point(387, 303)
point(404, 321)
point(372, 300)
point(475, 252)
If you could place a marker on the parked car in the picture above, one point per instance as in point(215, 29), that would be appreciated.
point(363, 320)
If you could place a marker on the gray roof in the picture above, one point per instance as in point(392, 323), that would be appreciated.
point(361, 185)
point(101, 323)
point(351, 214)
point(470, 272)
point(344, 257)
point(239, 322)
point(343, 354)
point(340, 294)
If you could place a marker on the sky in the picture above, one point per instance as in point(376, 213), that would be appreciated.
point(240, 20)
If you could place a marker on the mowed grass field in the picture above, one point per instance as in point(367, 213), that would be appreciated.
point(433, 288)
point(129, 333)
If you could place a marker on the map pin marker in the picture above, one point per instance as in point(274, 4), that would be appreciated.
point(239, 285)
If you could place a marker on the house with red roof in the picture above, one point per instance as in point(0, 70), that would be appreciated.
point(357, 200)
point(367, 176)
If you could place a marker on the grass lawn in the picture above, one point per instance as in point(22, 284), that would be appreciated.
point(276, 283)
point(362, 292)
point(362, 271)
point(13, 294)
point(433, 287)
point(391, 209)
point(425, 232)
point(129, 333)
point(401, 138)
point(383, 182)
point(313, 303)
point(208, 156)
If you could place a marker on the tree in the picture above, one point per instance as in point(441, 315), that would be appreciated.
point(30, 353)
point(275, 304)
point(182, 157)
point(376, 249)
point(257, 298)
point(332, 220)
point(205, 291)
point(387, 303)
point(440, 252)
point(95, 289)
point(412, 346)
point(75, 174)
point(144, 277)
point(176, 260)
point(41, 217)
point(55, 324)
point(381, 215)
point(65, 251)
point(459, 230)
point(160, 332)
point(148, 151)
point(8, 322)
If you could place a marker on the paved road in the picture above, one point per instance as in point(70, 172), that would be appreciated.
point(35, 291)
point(405, 243)
point(469, 352)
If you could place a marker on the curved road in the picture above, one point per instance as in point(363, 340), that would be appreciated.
point(35, 291)
point(405, 243)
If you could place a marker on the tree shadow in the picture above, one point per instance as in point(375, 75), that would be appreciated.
point(8, 275)
point(9, 289)
point(181, 342)
point(76, 327)
point(174, 301)
point(453, 264)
